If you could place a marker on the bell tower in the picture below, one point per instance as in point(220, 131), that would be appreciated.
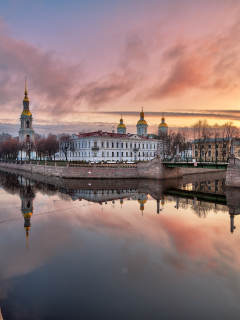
point(26, 132)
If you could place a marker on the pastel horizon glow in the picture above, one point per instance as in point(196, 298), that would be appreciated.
point(88, 62)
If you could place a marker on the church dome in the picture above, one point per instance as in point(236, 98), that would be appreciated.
point(121, 128)
point(142, 122)
point(27, 215)
point(26, 113)
point(121, 125)
point(163, 124)
point(142, 201)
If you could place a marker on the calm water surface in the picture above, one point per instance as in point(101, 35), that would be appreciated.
point(118, 249)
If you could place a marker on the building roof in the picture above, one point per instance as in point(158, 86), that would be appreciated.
point(211, 140)
point(111, 135)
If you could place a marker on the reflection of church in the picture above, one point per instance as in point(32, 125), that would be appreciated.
point(103, 196)
point(27, 195)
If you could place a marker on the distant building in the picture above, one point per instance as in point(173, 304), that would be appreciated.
point(105, 146)
point(211, 148)
point(5, 136)
point(26, 132)
point(109, 146)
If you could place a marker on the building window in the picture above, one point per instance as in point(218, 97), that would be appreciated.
point(139, 146)
point(224, 145)
point(209, 146)
point(196, 153)
point(102, 144)
point(107, 144)
point(103, 154)
point(131, 154)
point(89, 144)
point(126, 154)
point(216, 146)
point(130, 145)
point(126, 145)
point(95, 144)
point(202, 153)
point(117, 144)
point(209, 153)
point(121, 145)
point(202, 146)
point(112, 144)
point(143, 145)
point(122, 154)
point(107, 154)
point(216, 153)
point(150, 146)
point(112, 154)
point(117, 154)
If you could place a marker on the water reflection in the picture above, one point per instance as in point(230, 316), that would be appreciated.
point(200, 196)
point(117, 249)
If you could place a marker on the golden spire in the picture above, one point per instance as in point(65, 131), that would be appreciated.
point(25, 86)
point(25, 93)
point(27, 234)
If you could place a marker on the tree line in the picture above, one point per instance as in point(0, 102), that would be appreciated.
point(44, 147)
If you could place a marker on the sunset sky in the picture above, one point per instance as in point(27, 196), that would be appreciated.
point(86, 62)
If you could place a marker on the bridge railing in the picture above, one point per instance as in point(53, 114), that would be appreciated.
point(197, 159)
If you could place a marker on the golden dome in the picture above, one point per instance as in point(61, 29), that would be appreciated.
point(121, 125)
point(26, 99)
point(142, 122)
point(142, 201)
point(27, 215)
point(163, 124)
point(26, 113)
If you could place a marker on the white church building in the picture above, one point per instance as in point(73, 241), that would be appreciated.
point(111, 147)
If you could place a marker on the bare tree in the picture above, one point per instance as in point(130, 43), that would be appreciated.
point(229, 132)
point(64, 145)
point(51, 145)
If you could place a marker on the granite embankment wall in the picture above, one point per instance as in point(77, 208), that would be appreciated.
point(201, 170)
point(233, 173)
point(150, 170)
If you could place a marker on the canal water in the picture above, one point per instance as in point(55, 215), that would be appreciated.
point(132, 249)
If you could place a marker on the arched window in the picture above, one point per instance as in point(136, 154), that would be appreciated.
point(27, 124)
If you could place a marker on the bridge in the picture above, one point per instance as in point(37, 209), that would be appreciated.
point(222, 165)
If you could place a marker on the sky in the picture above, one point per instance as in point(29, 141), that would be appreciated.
point(88, 62)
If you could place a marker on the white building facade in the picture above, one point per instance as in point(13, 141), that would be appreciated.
point(104, 146)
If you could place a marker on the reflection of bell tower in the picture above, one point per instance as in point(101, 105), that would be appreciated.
point(232, 227)
point(27, 196)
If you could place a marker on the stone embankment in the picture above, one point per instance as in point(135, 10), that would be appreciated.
point(233, 173)
point(154, 169)
point(149, 170)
